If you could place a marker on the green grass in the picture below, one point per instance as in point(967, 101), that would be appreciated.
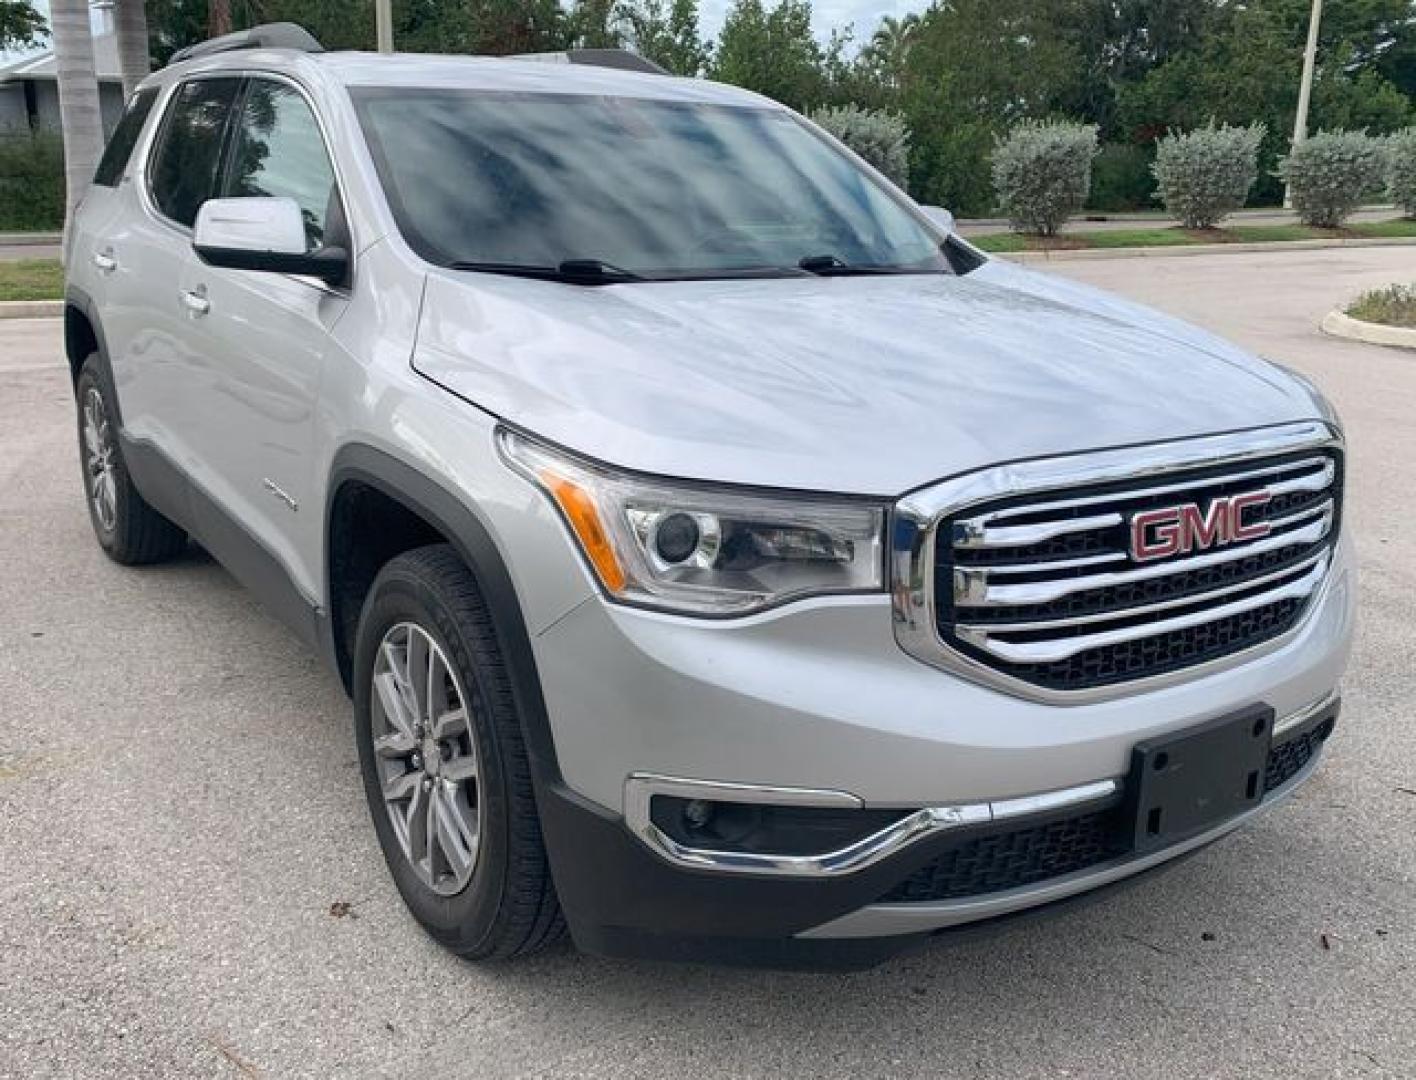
point(31, 279)
point(1174, 236)
point(1394, 306)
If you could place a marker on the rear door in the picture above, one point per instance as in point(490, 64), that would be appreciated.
point(90, 260)
point(264, 336)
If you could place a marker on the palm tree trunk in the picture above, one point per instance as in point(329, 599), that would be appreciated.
point(134, 60)
point(79, 113)
point(218, 18)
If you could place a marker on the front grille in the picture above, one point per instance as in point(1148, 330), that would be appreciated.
point(1025, 856)
point(1044, 587)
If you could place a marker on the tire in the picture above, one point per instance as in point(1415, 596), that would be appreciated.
point(507, 907)
point(129, 530)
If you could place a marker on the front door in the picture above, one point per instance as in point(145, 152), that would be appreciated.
point(265, 338)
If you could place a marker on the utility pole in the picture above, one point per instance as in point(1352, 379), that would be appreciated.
point(1305, 88)
point(383, 17)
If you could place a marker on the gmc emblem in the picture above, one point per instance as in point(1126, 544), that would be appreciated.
point(1178, 530)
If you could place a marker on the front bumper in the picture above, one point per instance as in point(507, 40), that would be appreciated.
point(819, 696)
point(624, 898)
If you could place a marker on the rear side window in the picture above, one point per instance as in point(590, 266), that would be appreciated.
point(184, 170)
point(278, 151)
point(125, 137)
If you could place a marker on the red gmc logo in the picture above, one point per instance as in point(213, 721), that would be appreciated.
point(1177, 530)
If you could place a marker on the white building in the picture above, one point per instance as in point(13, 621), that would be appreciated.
point(29, 88)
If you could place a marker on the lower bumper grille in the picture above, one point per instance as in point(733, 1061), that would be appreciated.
point(1020, 857)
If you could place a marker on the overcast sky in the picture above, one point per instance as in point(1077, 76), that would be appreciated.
point(826, 15)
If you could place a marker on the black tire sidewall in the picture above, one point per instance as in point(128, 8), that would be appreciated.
point(464, 920)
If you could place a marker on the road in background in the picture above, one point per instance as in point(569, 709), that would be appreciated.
point(1159, 220)
point(183, 823)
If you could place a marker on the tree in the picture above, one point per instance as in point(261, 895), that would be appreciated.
point(218, 17)
point(131, 33)
point(974, 69)
point(666, 32)
point(594, 24)
point(889, 47)
point(1245, 70)
point(773, 52)
point(79, 113)
point(21, 25)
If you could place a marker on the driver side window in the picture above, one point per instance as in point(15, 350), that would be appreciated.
point(278, 151)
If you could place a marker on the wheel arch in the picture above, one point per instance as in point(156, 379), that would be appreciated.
point(358, 466)
point(83, 337)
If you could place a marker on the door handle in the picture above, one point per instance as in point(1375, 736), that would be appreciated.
point(105, 261)
point(195, 300)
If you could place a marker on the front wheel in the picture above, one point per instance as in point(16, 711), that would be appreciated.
point(444, 761)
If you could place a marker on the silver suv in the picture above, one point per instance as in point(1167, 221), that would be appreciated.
point(725, 559)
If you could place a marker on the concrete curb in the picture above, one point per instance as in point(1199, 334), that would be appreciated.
point(30, 239)
point(1200, 249)
point(1340, 324)
point(31, 309)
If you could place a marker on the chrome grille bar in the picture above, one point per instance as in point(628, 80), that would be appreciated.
point(1194, 599)
point(1050, 651)
point(976, 532)
point(972, 586)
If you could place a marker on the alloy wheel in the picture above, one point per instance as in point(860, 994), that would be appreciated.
point(426, 758)
point(98, 460)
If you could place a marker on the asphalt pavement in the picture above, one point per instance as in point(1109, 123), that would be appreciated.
point(189, 885)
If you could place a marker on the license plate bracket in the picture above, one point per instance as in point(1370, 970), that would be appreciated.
point(1185, 783)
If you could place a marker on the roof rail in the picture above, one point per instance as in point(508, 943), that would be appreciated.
point(281, 35)
point(622, 59)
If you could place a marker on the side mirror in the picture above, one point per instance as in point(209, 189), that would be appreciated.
point(941, 217)
point(266, 235)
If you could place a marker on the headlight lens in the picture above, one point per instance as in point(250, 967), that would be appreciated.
point(705, 550)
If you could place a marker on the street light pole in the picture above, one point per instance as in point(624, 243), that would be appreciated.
point(1305, 88)
point(383, 18)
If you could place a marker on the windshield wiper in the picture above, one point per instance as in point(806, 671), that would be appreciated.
point(570, 271)
point(835, 266)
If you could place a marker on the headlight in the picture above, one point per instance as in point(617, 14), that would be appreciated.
point(701, 549)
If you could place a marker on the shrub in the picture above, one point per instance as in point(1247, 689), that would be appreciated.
point(1042, 173)
point(1394, 306)
point(1330, 174)
point(1121, 178)
point(877, 135)
point(31, 182)
point(1401, 170)
point(1205, 174)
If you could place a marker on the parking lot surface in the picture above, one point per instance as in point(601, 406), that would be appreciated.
point(189, 884)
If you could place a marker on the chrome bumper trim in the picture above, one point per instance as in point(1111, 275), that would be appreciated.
point(1298, 717)
point(913, 826)
point(640, 788)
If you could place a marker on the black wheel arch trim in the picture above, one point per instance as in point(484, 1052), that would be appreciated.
point(469, 536)
point(76, 299)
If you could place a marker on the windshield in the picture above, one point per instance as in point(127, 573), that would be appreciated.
point(630, 189)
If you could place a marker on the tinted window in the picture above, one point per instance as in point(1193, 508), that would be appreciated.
point(662, 189)
point(278, 151)
point(125, 137)
point(184, 170)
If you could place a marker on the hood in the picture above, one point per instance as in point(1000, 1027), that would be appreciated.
point(869, 385)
